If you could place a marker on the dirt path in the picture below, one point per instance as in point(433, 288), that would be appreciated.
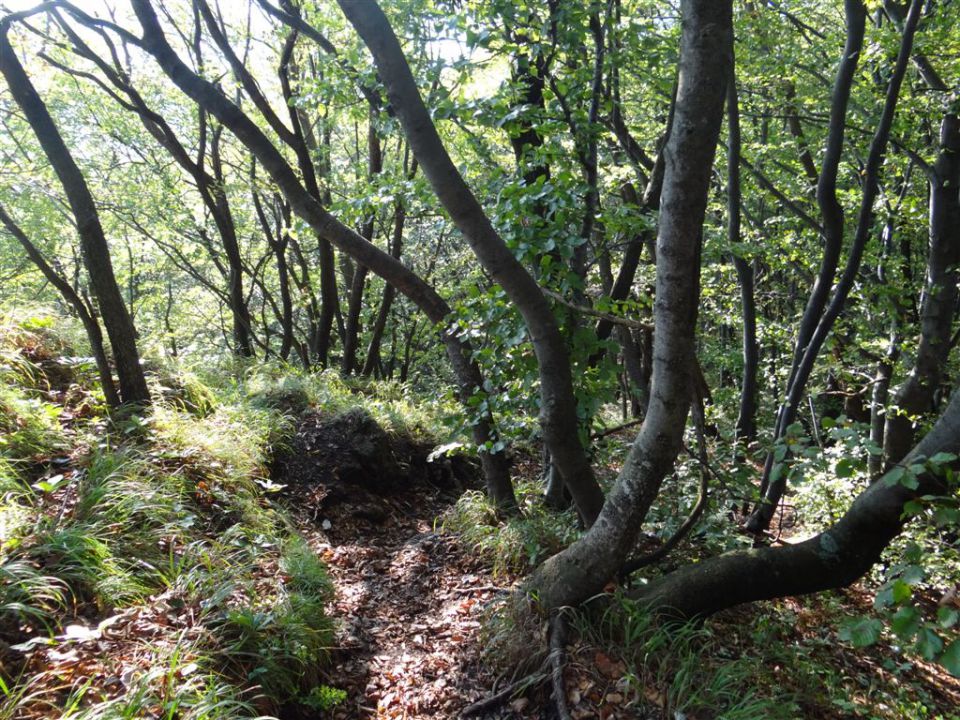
point(409, 601)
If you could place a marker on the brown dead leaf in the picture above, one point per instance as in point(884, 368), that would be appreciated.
point(613, 669)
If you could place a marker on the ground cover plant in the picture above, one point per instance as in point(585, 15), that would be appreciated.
point(444, 356)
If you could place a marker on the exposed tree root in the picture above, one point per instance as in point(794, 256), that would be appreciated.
point(557, 657)
point(551, 669)
point(491, 703)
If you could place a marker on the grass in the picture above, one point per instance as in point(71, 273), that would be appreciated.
point(392, 404)
point(164, 516)
point(516, 545)
point(681, 668)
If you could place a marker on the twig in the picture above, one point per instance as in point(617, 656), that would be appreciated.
point(480, 588)
point(636, 324)
point(617, 428)
point(558, 640)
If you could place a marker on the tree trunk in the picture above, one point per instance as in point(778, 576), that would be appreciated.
point(835, 558)
point(820, 316)
point(915, 397)
point(355, 305)
point(93, 243)
point(324, 224)
point(558, 416)
point(584, 568)
point(747, 418)
point(386, 302)
point(90, 324)
point(220, 209)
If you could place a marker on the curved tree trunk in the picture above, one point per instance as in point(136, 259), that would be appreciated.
point(820, 315)
point(915, 397)
point(584, 568)
point(558, 416)
point(328, 227)
point(835, 558)
point(93, 243)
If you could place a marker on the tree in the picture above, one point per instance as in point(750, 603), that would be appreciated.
point(93, 242)
point(582, 200)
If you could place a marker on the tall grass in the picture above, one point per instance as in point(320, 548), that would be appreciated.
point(514, 545)
point(675, 667)
point(99, 514)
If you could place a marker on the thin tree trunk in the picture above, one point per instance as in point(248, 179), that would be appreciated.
point(582, 570)
point(239, 311)
point(747, 417)
point(93, 243)
point(558, 416)
point(915, 397)
point(355, 305)
point(833, 559)
point(90, 324)
point(820, 316)
point(386, 302)
point(326, 226)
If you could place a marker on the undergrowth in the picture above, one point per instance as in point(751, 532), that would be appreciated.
point(154, 535)
point(513, 545)
point(682, 669)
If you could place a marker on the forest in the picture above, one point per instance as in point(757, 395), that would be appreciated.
point(479, 359)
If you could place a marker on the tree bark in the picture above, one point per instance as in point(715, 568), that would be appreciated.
point(833, 559)
point(581, 570)
point(747, 417)
point(93, 243)
point(386, 302)
point(351, 340)
point(820, 316)
point(558, 416)
point(328, 227)
point(915, 397)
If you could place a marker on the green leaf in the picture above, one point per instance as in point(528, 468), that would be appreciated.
point(929, 644)
point(893, 477)
point(951, 658)
point(946, 516)
point(913, 507)
point(883, 598)
point(906, 622)
point(909, 480)
point(861, 632)
point(947, 616)
point(845, 468)
point(901, 591)
point(912, 574)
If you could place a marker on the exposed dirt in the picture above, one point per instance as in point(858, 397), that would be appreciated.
point(409, 599)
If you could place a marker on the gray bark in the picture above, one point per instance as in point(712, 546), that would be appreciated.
point(581, 570)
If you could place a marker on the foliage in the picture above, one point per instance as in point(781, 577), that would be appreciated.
point(514, 545)
point(144, 513)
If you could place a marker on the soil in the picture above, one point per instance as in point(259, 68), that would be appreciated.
point(409, 599)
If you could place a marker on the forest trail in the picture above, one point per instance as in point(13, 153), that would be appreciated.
point(409, 602)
